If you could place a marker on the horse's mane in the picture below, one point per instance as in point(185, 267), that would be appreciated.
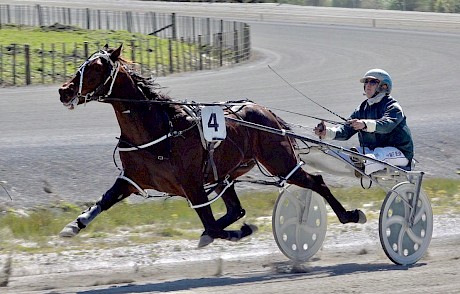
point(150, 89)
point(147, 85)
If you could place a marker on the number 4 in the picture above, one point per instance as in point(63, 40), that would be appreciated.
point(212, 123)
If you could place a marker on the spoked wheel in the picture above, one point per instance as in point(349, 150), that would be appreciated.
point(402, 242)
point(299, 223)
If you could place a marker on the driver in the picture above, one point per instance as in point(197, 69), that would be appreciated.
point(380, 123)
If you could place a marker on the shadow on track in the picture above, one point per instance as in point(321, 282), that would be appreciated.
point(190, 284)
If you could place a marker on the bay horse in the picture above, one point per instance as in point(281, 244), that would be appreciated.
point(161, 148)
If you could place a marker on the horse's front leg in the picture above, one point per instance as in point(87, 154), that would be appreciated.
point(116, 193)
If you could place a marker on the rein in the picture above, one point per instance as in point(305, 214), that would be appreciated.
point(225, 104)
point(298, 91)
point(105, 99)
point(115, 68)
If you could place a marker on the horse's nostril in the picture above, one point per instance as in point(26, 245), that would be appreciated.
point(62, 94)
point(65, 92)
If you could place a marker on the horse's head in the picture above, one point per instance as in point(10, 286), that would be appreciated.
point(94, 78)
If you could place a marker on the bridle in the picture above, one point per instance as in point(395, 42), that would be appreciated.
point(114, 68)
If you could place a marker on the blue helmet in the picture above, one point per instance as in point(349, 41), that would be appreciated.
point(379, 74)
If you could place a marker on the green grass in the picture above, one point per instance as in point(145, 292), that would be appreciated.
point(55, 54)
point(152, 221)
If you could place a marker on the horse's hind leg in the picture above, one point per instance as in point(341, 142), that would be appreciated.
point(116, 193)
point(233, 206)
point(316, 183)
point(234, 213)
point(278, 157)
point(215, 229)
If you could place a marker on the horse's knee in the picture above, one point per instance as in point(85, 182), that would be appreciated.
point(115, 194)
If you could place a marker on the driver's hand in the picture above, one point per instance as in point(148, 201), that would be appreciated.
point(357, 124)
point(320, 130)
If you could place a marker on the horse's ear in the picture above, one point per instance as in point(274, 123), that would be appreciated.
point(106, 47)
point(116, 53)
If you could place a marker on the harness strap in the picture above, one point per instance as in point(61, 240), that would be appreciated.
point(283, 182)
point(147, 144)
point(141, 191)
point(211, 148)
point(144, 193)
point(227, 185)
point(113, 74)
point(191, 112)
point(117, 69)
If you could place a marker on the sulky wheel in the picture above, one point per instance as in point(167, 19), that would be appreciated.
point(299, 223)
point(403, 243)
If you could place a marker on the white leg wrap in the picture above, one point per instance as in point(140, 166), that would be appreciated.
point(86, 217)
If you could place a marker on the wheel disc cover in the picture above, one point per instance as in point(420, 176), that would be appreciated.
point(402, 243)
point(299, 223)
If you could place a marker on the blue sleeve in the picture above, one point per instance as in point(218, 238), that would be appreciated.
point(393, 115)
point(345, 132)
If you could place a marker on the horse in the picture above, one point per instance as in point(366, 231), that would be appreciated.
point(161, 148)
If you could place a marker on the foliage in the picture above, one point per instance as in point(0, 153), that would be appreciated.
point(448, 6)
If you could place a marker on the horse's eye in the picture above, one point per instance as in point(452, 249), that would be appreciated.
point(99, 68)
point(99, 65)
point(96, 65)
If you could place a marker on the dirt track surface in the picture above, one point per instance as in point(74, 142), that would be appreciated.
point(351, 261)
point(45, 147)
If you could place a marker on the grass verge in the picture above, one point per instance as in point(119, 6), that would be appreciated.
point(57, 51)
point(152, 221)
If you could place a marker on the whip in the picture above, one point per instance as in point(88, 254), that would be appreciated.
point(342, 118)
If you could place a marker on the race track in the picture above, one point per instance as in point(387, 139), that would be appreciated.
point(69, 153)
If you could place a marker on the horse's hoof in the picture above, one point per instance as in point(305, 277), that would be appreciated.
point(248, 230)
point(253, 228)
point(205, 240)
point(361, 217)
point(71, 230)
point(356, 216)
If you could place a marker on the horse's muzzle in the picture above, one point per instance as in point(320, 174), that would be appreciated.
point(67, 94)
